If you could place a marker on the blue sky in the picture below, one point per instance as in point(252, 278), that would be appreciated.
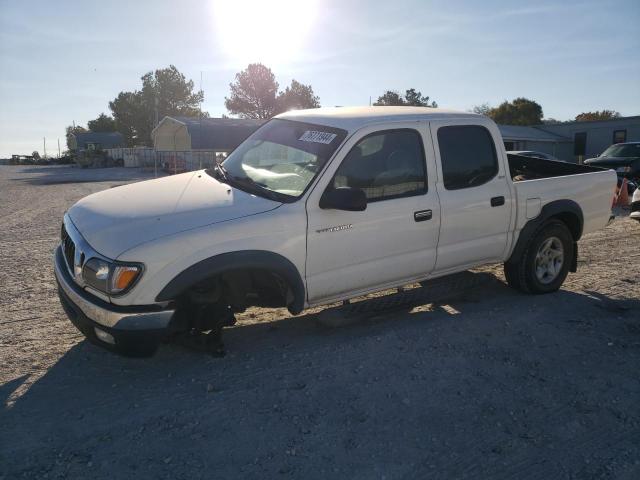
point(63, 61)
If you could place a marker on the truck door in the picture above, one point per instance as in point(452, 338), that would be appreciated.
point(475, 196)
point(395, 238)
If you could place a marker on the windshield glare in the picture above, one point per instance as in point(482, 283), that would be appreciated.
point(284, 156)
point(628, 150)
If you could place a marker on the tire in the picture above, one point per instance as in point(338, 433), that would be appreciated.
point(545, 261)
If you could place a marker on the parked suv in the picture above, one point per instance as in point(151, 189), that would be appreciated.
point(624, 158)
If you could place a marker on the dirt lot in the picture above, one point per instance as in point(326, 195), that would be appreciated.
point(492, 384)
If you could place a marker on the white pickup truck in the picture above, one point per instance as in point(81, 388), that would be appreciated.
point(315, 207)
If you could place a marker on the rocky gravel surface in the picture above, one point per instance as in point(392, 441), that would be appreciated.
point(489, 383)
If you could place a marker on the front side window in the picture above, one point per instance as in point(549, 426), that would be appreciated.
point(468, 156)
point(388, 164)
point(281, 159)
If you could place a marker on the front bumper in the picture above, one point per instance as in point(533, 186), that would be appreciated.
point(87, 312)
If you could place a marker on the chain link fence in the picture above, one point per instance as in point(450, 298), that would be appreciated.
point(170, 162)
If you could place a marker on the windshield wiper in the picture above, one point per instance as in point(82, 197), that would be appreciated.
point(247, 184)
point(261, 190)
point(218, 172)
point(221, 171)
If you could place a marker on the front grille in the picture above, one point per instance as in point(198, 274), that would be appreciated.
point(68, 248)
point(635, 206)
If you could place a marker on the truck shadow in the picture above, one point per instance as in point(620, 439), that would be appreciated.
point(89, 392)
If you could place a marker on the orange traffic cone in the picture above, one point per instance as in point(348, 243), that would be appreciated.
point(622, 200)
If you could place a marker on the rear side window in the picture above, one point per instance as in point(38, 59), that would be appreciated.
point(468, 156)
point(387, 164)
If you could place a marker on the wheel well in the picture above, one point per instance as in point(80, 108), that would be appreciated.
point(566, 211)
point(572, 222)
point(241, 288)
point(261, 276)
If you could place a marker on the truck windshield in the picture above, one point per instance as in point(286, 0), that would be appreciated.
point(281, 159)
point(622, 150)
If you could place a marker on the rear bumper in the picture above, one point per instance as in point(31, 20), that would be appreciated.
point(124, 324)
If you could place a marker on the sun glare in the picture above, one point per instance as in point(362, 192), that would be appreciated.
point(269, 31)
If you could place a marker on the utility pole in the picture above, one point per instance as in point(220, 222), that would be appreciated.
point(199, 126)
point(58, 148)
point(155, 111)
point(44, 143)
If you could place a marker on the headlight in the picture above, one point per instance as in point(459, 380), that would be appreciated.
point(96, 273)
point(110, 278)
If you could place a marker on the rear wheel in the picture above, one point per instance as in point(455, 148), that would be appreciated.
point(544, 264)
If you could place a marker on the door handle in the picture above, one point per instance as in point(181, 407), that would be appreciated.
point(422, 215)
point(497, 201)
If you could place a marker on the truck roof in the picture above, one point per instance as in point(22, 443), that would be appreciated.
point(353, 118)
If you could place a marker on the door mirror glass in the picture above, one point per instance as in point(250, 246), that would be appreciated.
point(344, 198)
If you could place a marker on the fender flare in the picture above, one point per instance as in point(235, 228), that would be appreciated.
point(551, 209)
point(260, 259)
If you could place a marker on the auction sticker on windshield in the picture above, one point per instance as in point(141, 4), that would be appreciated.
point(317, 137)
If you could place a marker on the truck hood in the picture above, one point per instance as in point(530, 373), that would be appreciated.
point(118, 219)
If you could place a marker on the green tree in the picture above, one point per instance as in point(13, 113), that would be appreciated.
point(35, 155)
point(411, 98)
point(171, 93)
point(71, 130)
point(597, 115)
point(415, 98)
point(520, 111)
point(164, 92)
point(253, 93)
point(390, 98)
point(483, 109)
point(297, 96)
point(103, 123)
point(131, 116)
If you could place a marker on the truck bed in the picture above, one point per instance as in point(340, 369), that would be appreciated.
point(538, 182)
point(529, 168)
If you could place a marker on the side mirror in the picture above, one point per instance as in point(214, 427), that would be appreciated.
point(344, 198)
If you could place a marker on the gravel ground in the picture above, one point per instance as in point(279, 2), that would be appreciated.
point(490, 384)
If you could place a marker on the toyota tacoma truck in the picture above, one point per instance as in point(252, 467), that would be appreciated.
point(315, 207)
